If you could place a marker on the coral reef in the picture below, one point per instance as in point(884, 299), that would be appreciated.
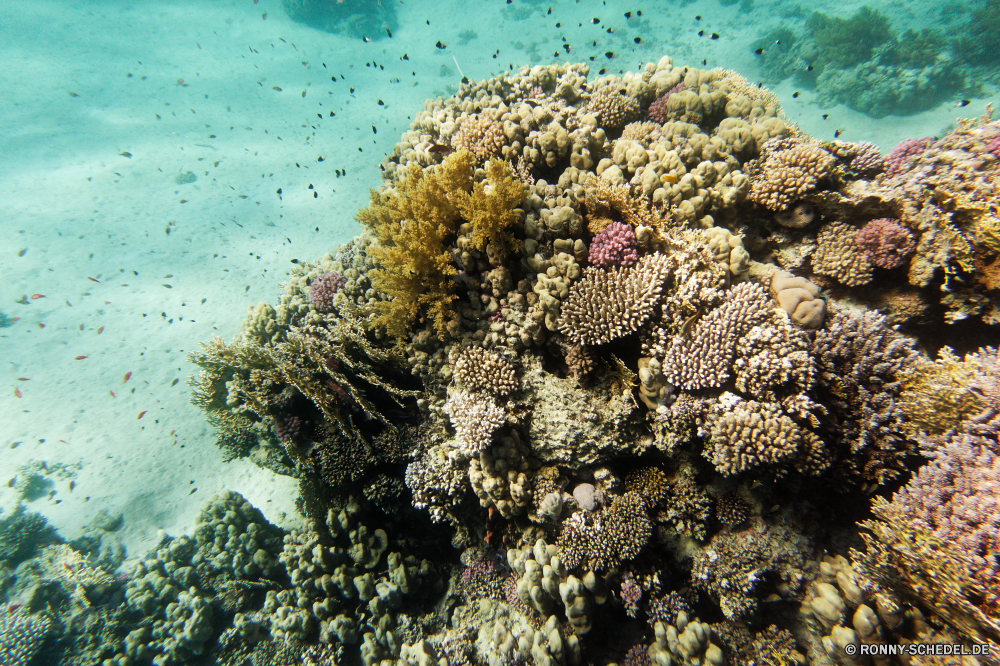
point(619, 349)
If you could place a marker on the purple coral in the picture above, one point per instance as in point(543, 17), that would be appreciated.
point(615, 245)
point(886, 242)
point(904, 154)
point(323, 289)
point(957, 496)
point(658, 111)
point(287, 427)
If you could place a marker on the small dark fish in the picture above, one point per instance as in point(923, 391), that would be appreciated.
point(388, 32)
point(374, 131)
point(603, 71)
point(825, 116)
point(964, 102)
point(715, 35)
point(441, 45)
point(836, 134)
point(22, 252)
point(795, 94)
point(697, 18)
point(638, 13)
point(809, 68)
point(549, 13)
point(701, 33)
point(72, 94)
point(637, 40)
point(405, 57)
point(352, 90)
point(759, 51)
point(628, 14)
point(704, 61)
point(381, 103)
point(439, 149)
point(365, 40)
point(610, 31)
point(126, 154)
point(595, 21)
point(609, 54)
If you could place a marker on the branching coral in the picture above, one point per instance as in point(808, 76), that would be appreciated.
point(604, 539)
point(490, 208)
point(412, 226)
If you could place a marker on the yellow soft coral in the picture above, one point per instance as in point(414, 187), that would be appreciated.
point(412, 226)
point(490, 210)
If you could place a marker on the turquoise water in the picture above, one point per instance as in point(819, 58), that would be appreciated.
point(168, 166)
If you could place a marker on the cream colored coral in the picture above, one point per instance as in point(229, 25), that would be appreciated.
point(484, 371)
point(481, 135)
point(612, 109)
point(839, 257)
point(787, 170)
point(474, 418)
point(608, 304)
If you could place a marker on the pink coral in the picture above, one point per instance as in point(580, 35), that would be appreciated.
point(658, 111)
point(886, 242)
point(901, 158)
point(614, 246)
point(957, 496)
point(323, 289)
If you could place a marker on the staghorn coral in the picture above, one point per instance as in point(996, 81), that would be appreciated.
point(600, 540)
point(786, 171)
point(479, 370)
point(475, 418)
point(861, 363)
point(841, 255)
point(886, 243)
point(410, 226)
point(608, 304)
point(703, 357)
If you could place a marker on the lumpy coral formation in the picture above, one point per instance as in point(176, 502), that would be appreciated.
point(607, 384)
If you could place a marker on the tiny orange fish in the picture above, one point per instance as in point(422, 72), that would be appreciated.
point(17, 392)
point(37, 296)
point(112, 394)
point(94, 280)
point(100, 330)
point(141, 414)
point(127, 375)
point(15, 319)
point(79, 358)
point(172, 432)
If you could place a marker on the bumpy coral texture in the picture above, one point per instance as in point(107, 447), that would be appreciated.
point(480, 135)
point(840, 255)
point(484, 371)
point(704, 357)
point(957, 496)
point(659, 111)
point(861, 158)
point(615, 245)
point(21, 635)
point(787, 170)
point(607, 304)
point(323, 289)
point(474, 418)
point(901, 158)
point(746, 434)
point(886, 243)
point(613, 109)
point(606, 538)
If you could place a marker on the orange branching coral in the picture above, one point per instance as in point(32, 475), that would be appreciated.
point(490, 209)
point(412, 226)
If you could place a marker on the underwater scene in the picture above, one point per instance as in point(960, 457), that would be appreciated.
point(500, 333)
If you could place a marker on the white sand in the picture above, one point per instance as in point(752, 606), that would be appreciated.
point(190, 87)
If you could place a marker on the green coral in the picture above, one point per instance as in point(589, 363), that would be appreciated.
point(413, 227)
point(845, 43)
point(915, 50)
point(980, 40)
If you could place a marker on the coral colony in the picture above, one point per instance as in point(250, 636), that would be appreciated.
point(637, 372)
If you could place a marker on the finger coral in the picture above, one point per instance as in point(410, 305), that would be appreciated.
point(606, 304)
point(840, 255)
